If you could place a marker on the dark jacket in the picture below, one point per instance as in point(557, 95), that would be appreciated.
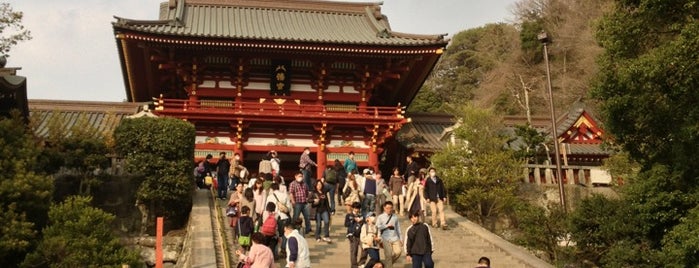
point(418, 240)
point(434, 189)
point(246, 226)
point(323, 203)
point(353, 227)
point(223, 166)
point(412, 169)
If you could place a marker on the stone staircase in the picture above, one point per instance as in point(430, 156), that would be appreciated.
point(459, 246)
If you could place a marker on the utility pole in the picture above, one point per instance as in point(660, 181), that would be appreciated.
point(544, 39)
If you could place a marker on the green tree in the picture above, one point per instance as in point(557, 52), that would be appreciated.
point(479, 172)
point(542, 229)
point(12, 21)
point(680, 246)
point(531, 46)
point(532, 141)
point(80, 150)
point(426, 100)
point(621, 167)
point(25, 195)
point(597, 224)
point(647, 89)
point(161, 150)
point(650, 65)
point(79, 235)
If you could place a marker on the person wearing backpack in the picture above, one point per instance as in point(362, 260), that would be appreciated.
point(283, 205)
point(330, 178)
point(354, 222)
point(269, 227)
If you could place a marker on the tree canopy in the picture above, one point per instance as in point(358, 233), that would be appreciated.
point(79, 235)
point(161, 150)
point(25, 193)
point(479, 172)
point(11, 29)
point(647, 90)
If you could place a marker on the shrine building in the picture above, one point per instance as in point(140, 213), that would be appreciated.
point(261, 75)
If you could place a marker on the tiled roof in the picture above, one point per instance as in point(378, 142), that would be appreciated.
point(424, 132)
point(103, 116)
point(585, 149)
point(272, 20)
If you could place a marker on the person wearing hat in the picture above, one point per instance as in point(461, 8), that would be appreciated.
point(369, 237)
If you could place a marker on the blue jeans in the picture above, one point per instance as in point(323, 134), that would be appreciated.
point(222, 185)
point(307, 178)
point(373, 254)
point(306, 210)
point(234, 183)
point(280, 231)
point(368, 205)
point(418, 260)
point(325, 218)
point(331, 193)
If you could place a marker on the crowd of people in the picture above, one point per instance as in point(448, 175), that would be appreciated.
point(267, 215)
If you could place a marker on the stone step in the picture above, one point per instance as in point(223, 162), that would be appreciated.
point(455, 247)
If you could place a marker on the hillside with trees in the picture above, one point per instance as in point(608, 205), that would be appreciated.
point(635, 62)
point(495, 65)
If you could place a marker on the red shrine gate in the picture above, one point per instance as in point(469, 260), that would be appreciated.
point(259, 75)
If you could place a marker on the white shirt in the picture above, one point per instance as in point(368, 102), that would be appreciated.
point(283, 198)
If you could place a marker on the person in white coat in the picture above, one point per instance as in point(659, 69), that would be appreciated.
point(298, 255)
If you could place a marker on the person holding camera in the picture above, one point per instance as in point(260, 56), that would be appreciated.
point(354, 222)
point(389, 226)
point(319, 200)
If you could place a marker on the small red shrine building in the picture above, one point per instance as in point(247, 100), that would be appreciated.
point(261, 75)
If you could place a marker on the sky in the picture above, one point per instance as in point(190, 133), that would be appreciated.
point(73, 53)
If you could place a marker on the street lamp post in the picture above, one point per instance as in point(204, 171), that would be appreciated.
point(544, 39)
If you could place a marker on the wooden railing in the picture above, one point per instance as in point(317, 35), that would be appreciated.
point(289, 108)
point(581, 175)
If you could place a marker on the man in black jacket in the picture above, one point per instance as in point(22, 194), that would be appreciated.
point(418, 243)
point(411, 169)
point(434, 192)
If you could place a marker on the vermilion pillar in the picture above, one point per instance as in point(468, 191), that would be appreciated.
point(374, 159)
point(322, 163)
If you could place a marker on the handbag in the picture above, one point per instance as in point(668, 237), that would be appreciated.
point(232, 211)
point(243, 241)
point(281, 206)
point(347, 192)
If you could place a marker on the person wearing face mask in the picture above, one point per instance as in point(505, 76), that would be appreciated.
point(234, 173)
point(435, 194)
point(298, 191)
